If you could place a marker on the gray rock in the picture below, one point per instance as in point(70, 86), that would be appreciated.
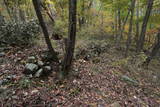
point(39, 73)
point(11, 77)
point(31, 59)
point(30, 68)
point(40, 63)
point(128, 79)
point(47, 68)
point(6, 71)
point(2, 54)
point(3, 82)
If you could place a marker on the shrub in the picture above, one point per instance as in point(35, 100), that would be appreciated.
point(19, 33)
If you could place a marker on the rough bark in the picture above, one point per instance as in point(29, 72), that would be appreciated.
point(36, 4)
point(71, 37)
point(144, 26)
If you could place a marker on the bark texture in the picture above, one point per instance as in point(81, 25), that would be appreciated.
point(144, 26)
point(36, 4)
point(71, 37)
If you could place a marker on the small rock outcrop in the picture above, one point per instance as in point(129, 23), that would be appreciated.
point(37, 67)
point(30, 68)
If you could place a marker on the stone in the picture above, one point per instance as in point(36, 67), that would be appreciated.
point(14, 97)
point(11, 77)
point(39, 73)
point(30, 68)
point(128, 79)
point(6, 71)
point(31, 59)
point(47, 68)
point(47, 57)
point(2, 54)
point(3, 82)
point(40, 63)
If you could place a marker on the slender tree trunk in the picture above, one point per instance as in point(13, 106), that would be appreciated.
point(71, 39)
point(115, 25)
point(119, 29)
point(144, 26)
point(124, 23)
point(50, 15)
point(82, 19)
point(129, 40)
point(154, 50)
point(8, 9)
point(36, 4)
point(137, 23)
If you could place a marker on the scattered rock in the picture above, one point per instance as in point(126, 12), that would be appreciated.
point(47, 69)
point(11, 77)
point(2, 54)
point(34, 91)
point(40, 63)
point(6, 71)
point(31, 59)
point(39, 73)
point(3, 82)
point(47, 57)
point(14, 97)
point(47, 63)
point(30, 68)
point(128, 79)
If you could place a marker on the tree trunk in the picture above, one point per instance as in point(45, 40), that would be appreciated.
point(8, 10)
point(144, 26)
point(71, 37)
point(36, 4)
point(137, 23)
point(119, 29)
point(129, 40)
point(154, 50)
point(115, 26)
point(124, 23)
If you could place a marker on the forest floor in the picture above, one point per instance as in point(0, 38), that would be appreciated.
point(103, 81)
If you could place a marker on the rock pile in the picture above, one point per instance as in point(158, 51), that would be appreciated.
point(37, 68)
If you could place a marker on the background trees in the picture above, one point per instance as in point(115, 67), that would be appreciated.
point(132, 23)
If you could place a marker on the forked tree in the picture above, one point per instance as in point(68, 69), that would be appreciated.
point(144, 26)
point(71, 37)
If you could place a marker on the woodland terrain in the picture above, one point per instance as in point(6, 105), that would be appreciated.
point(71, 53)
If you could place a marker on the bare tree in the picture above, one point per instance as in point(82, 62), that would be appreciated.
point(36, 4)
point(129, 39)
point(144, 26)
point(71, 37)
